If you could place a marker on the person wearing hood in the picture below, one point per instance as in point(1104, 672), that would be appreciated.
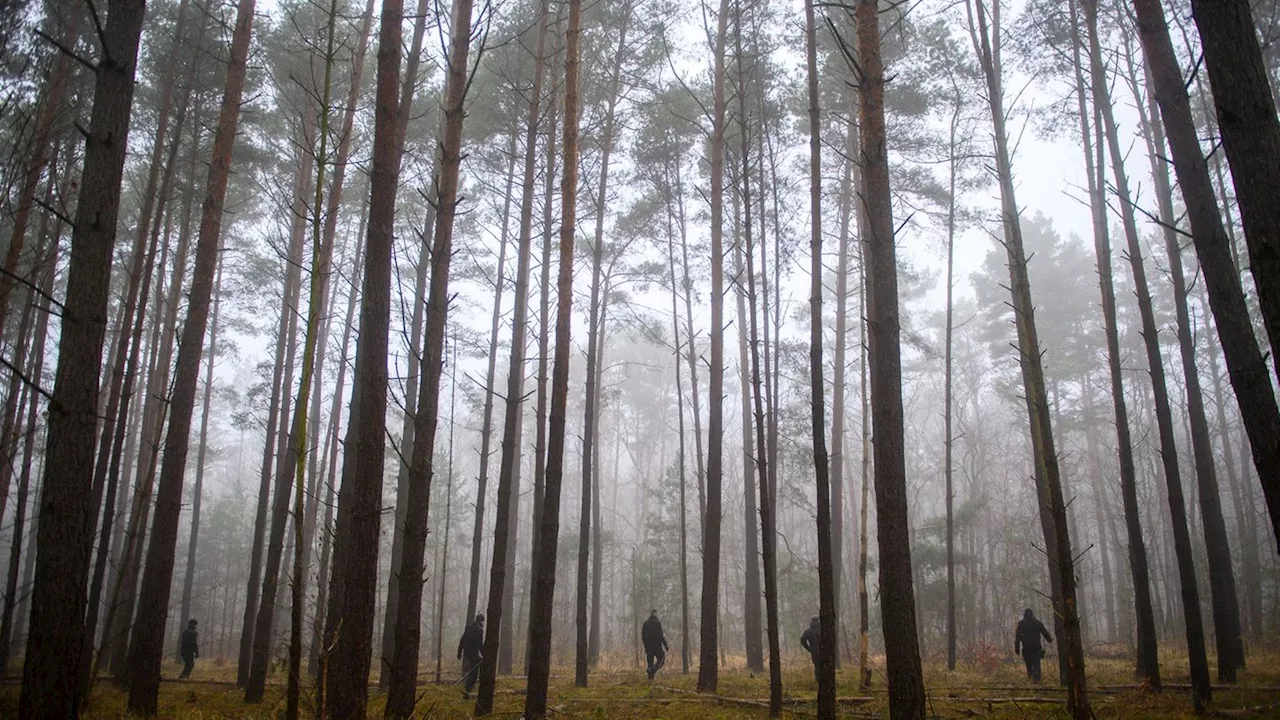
point(811, 640)
point(655, 644)
point(1026, 642)
point(470, 652)
point(189, 648)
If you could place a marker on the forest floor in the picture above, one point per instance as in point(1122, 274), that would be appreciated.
point(996, 691)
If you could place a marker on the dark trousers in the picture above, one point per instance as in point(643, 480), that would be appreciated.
point(470, 672)
point(1031, 656)
point(188, 663)
point(816, 674)
point(655, 658)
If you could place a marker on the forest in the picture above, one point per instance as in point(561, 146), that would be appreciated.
point(730, 358)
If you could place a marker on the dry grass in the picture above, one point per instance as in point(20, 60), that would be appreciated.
point(623, 693)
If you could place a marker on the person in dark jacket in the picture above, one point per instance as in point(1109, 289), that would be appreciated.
point(189, 648)
point(811, 640)
point(1026, 642)
point(655, 644)
point(470, 652)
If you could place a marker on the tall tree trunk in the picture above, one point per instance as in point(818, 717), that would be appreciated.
point(442, 571)
point(839, 384)
point(1049, 488)
point(402, 691)
point(147, 641)
point(486, 426)
point(197, 490)
point(277, 416)
point(1155, 361)
point(508, 467)
point(1246, 113)
point(1147, 666)
point(34, 373)
point(353, 588)
point(1245, 363)
point(708, 675)
point(51, 667)
point(948, 437)
point(53, 95)
point(684, 510)
point(544, 570)
point(412, 381)
point(331, 463)
point(291, 473)
point(902, 656)
point(1222, 583)
point(595, 352)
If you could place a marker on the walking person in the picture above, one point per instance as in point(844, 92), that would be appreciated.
point(189, 648)
point(470, 652)
point(1026, 642)
point(655, 644)
point(811, 640)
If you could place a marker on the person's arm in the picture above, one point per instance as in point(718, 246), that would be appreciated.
point(462, 643)
point(805, 642)
point(1017, 641)
point(1045, 632)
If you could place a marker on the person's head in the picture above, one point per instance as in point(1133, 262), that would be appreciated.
point(479, 618)
point(815, 621)
point(191, 623)
point(1027, 614)
point(653, 613)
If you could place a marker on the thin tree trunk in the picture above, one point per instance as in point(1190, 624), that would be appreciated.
point(708, 675)
point(443, 571)
point(197, 490)
point(1222, 583)
point(147, 641)
point(1245, 363)
point(51, 667)
point(331, 464)
point(486, 427)
point(595, 352)
point(1164, 416)
point(684, 511)
point(277, 416)
point(53, 95)
point(544, 570)
point(1147, 666)
point(35, 373)
point(508, 467)
point(1049, 488)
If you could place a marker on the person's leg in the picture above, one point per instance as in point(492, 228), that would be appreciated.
point(662, 660)
point(650, 662)
point(1026, 658)
point(1035, 668)
point(188, 663)
point(815, 669)
point(473, 674)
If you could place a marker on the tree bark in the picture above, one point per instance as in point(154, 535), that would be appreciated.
point(1049, 488)
point(147, 642)
point(902, 655)
point(51, 667)
point(708, 675)
point(1222, 582)
point(508, 467)
point(402, 691)
point(1147, 666)
point(1246, 113)
point(353, 588)
point(544, 570)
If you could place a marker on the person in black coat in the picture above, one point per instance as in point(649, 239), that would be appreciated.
point(471, 653)
point(1026, 642)
point(811, 640)
point(655, 643)
point(189, 648)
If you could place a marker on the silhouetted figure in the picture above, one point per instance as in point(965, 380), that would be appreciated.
point(811, 640)
point(470, 651)
point(1026, 642)
point(189, 648)
point(655, 644)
